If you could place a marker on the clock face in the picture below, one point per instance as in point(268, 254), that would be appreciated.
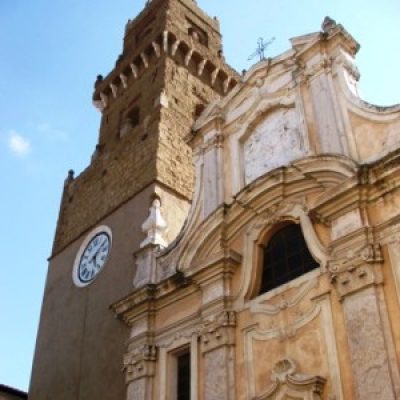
point(92, 256)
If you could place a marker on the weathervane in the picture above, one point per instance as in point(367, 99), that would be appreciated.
point(262, 46)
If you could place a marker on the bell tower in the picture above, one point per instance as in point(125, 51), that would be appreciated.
point(171, 67)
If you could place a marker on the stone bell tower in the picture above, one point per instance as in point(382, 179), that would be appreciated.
point(170, 68)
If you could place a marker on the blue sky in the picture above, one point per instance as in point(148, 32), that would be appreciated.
point(50, 54)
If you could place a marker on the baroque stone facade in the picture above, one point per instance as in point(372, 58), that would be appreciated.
point(290, 142)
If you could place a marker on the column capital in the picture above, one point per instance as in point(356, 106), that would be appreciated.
point(218, 332)
point(356, 270)
point(140, 362)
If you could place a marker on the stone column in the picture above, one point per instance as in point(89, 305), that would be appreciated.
point(139, 366)
point(357, 281)
point(217, 346)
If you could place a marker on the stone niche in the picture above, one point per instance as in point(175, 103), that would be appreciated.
point(275, 140)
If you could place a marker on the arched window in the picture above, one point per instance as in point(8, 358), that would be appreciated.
point(286, 257)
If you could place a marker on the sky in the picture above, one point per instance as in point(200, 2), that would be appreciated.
point(50, 54)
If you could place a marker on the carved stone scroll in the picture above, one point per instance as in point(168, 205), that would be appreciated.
point(288, 384)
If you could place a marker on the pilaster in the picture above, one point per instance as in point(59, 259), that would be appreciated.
point(357, 278)
point(217, 348)
point(213, 171)
point(139, 367)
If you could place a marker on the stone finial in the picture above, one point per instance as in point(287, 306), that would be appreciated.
point(154, 226)
point(328, 25)
point(99, 79)
point(70, 177)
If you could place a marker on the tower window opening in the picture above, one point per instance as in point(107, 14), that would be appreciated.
point(198, 110)
point(134, 116)
point(130, 120)
point(285, 258)
point(197, 34)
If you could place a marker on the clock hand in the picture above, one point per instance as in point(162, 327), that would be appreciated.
point(94, 258)
point(99, 248)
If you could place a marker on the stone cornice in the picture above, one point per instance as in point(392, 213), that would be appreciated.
point(130, 68)
point(216, 265)
point(152, 298)
point(372, 182)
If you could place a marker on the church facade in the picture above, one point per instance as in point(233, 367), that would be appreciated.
point(269, 270)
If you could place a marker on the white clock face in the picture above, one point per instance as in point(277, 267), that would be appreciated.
point(92, 256)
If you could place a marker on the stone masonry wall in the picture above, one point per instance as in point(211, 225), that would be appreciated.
point(185, 93)
point(169, 93)
point(122, 165)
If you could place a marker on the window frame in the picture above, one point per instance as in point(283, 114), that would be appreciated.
point(168, 366)
point(173, 371)
point(263, 248)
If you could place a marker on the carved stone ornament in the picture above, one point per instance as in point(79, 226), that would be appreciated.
point(357, 270)
point(140, 363)
point(154, 226)
point(287, 384)
point(328, 25)
point(218, 332)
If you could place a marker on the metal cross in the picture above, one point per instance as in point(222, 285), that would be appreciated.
point(262, 46)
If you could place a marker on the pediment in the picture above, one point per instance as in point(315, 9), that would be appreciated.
point(300, 43)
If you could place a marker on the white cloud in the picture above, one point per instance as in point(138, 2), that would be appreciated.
point(50, 132)
point(19, 145)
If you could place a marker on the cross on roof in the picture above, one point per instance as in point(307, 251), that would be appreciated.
point(261, 47)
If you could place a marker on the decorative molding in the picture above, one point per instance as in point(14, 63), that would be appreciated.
point(165, 41)
point(175, 46)
point(214, 76)
point(218, 332)
point(226, 84)
point(281, 333)
point(322, 309)
point(140, 363)
point(201, 66)
point(168, 375)
point(144, 59)
point(124, 80)
point(134, 70)
point(155, 47)
point(188, 57)
point(287, 383)
point(289, 210)
point(114, 90)
point(356, 270)
point(261, 306)
point(286, 331)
